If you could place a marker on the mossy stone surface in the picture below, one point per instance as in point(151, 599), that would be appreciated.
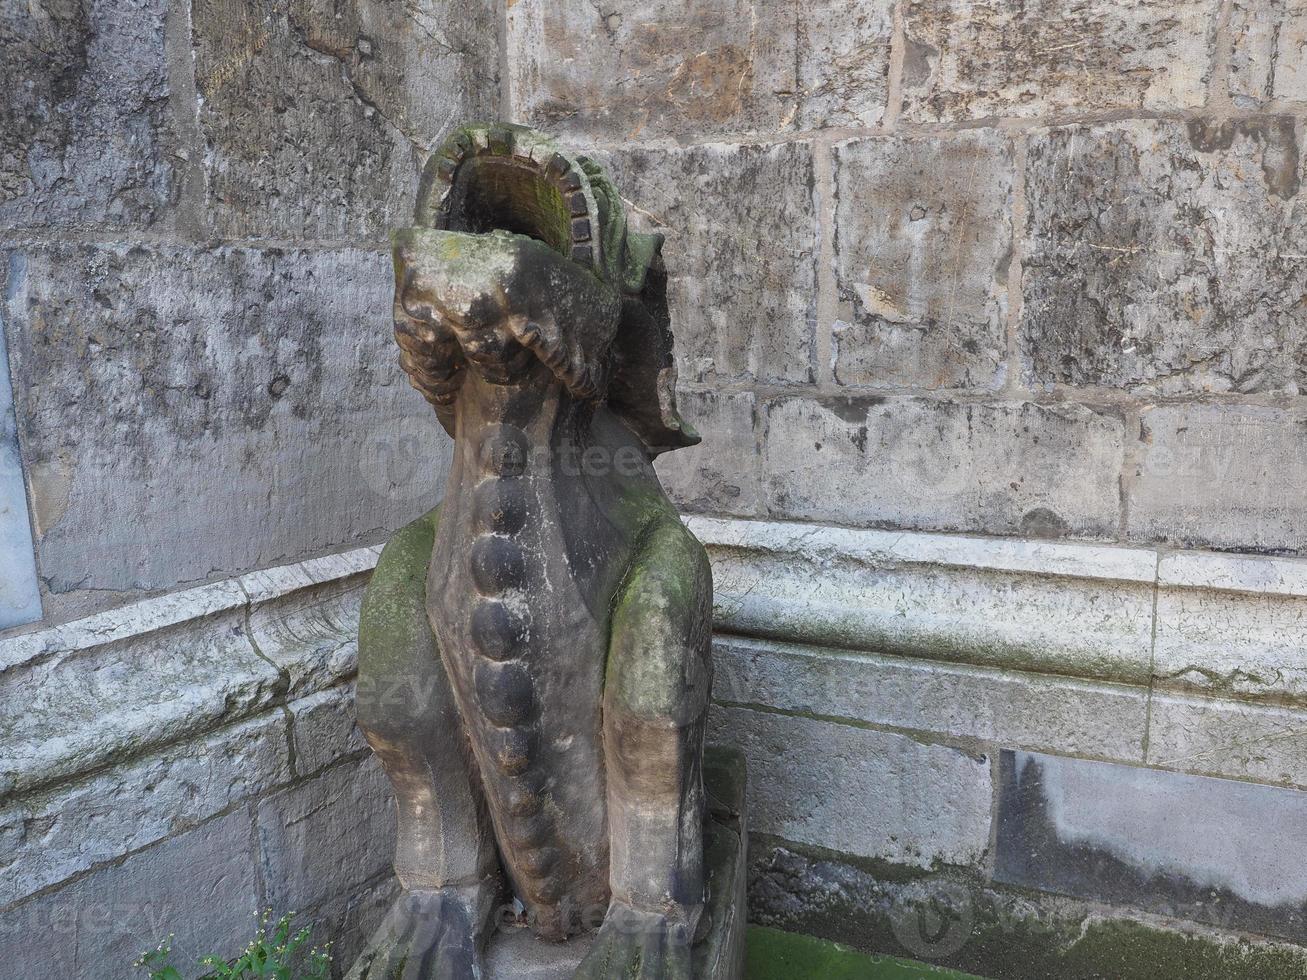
point(776, 955)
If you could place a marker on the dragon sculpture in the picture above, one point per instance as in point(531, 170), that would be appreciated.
point(553, 612)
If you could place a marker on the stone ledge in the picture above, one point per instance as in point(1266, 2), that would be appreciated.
point(1219, 625)
point(108, 688)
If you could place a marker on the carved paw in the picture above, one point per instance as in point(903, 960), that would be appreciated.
point(427, 935)
point(635, 945)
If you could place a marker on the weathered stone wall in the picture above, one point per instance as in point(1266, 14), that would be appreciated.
point(194, 202)
point(175, 764)
point(965, 266)
point(983, 309)
point(1033, 273)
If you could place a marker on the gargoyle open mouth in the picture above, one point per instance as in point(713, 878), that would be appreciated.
point(522, 250)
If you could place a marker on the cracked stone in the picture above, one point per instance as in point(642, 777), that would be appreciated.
point(945, 466)
point(979, 58)
point(316, 114)
point(86, 137)
point(1270, 38)
point(1166, 257)
point(921, 253)
point(742, 242)
point(673, 67)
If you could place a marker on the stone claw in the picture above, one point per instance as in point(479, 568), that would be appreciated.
point(637, 945)
point(427, 935)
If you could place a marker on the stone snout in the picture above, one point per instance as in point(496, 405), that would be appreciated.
point(487, 299)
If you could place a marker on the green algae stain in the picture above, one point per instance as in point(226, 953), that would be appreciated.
point(776, 955)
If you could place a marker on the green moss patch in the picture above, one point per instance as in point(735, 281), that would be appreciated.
point(776, 955)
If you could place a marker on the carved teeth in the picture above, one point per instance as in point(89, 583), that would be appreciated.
point(580, 229)
point(557, 166)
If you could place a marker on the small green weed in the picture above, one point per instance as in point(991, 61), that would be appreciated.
point(278, 954)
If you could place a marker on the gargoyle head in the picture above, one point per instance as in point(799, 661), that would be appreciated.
point(521, 255)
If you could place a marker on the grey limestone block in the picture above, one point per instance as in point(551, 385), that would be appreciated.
point(870, 793)
point(923, 242)
point(721, 475)
point(327, 838)
point(1002, 467)
point(742, 236)
point(1193, 847)
point(62, 832)
point(981, 58)
point(1267, 41)
point(1220, 476)
point(316, 116)
point(675, 68)
point(88, 135)
point(201, 886)
point(1163, 257)
point(163, 391)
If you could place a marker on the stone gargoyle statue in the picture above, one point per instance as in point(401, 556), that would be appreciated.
point(534, 653)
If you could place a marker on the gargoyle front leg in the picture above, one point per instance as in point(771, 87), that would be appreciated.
point(444, 855)
point(656, 693)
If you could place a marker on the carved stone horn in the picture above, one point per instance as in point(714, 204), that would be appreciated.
point(500, 178)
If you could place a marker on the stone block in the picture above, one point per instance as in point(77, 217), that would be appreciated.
point(87, 137)
point(75, 710)
point(315, 115)
point(923, 238)
point(323, 840)
point(721, 474)
point(200, 886)
point(1071, 609)
point(1229, 644)
point(265, 380)
point(1266, 58)
point(1264, 743)
point(312, 636)
point(868, 793)
point(843, 55)
point(996, 467)
point(1163, 257)
point(960, 921)
point(324, 729)
point(981, 58)
point(1029, 710)
point(53, 836)
point(742, 243)
point(20, 597)
point(677, 68)
point(1193, 847)
point(350, 920)
point(1222, 476)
